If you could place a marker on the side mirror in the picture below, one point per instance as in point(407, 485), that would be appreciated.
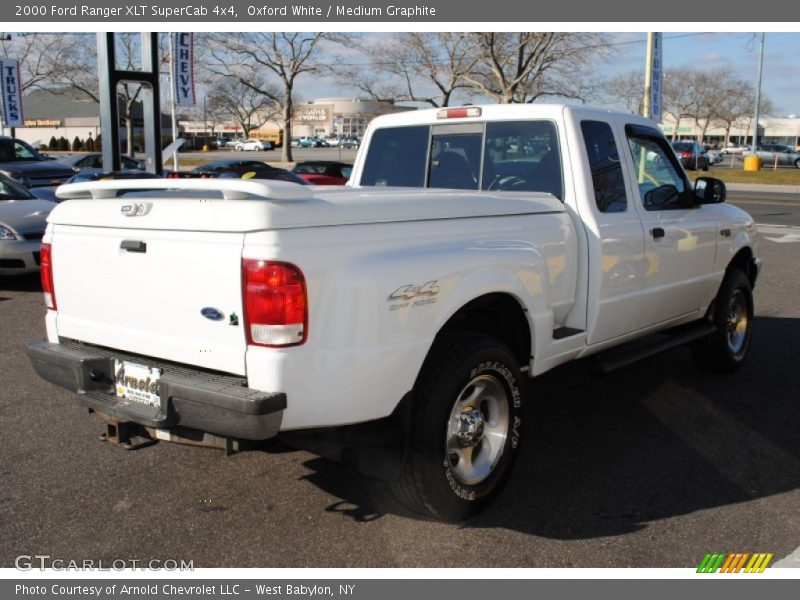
point(710, 190)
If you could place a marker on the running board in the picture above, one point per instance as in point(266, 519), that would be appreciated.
point(616, 359)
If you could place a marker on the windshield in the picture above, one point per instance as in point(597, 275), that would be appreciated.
point(11, 190)
point(17, 150)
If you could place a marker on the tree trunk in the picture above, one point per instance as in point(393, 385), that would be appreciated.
point(129, 131)
point(288, 109)
point(675, 131)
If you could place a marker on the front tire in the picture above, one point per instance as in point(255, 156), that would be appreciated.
point(465, 427)
point(725, 350)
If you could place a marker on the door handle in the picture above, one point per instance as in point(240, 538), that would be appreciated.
point(657, 232)
point(133, 246)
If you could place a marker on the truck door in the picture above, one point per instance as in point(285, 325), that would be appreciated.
point(615, 237)
point(680, 237)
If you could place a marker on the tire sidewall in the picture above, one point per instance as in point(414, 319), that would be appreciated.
point(736, 280)
point(448, 496)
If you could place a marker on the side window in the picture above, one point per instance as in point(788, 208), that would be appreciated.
point(23, 151)
point(661, 183)
point(607, 178)
point(397, 157)
point(522, 156)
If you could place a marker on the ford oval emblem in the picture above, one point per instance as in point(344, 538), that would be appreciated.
point(212, 314)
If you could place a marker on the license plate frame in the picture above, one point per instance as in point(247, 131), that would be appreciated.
point(137, 383)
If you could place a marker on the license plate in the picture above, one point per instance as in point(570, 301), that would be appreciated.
point(137, 383)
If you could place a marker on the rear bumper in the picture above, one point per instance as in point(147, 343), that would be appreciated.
point(212, 402)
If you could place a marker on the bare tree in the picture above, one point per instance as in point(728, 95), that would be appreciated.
point(526, 66)
point(43, 57)
point(418, 67)
point(285, 56)
point(682, 94)
point(248, 108)
point(625, 91)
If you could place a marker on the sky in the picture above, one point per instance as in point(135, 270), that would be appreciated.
point(781, 77)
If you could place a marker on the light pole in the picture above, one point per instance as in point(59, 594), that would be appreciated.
point(758, 95)
point(172, 100)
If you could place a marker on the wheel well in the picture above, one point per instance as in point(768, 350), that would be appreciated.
point(498, 315)
point(744, 262)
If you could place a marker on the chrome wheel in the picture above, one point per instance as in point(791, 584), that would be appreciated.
point(737, 322)
point(477, 429)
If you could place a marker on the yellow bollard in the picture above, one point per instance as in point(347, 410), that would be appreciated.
point(205, 147)
point(752, 163)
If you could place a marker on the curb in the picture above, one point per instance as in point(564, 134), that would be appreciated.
point(759, 187)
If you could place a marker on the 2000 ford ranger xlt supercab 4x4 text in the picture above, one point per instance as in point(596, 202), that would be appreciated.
point(392, 321)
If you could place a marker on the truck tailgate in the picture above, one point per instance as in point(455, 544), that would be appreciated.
point(142, 291)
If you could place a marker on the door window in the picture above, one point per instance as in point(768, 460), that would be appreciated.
point(661, 183)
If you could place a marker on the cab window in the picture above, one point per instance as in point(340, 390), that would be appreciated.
point(604, 164)
point(662, 185)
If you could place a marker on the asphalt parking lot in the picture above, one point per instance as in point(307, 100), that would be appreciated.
point(652, 466)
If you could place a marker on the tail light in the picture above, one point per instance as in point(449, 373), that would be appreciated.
point(46, 271)
point(686, 154)
point(275, 303)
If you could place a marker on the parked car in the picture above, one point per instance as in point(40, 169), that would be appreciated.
point(394, 323)
point(253, 145)
point(23, 219)
point(732, 148)
point(20, 162)
point(349, 142)
point(93, 175)
point(93, 162)
point(785, 156)
point(273, 173)
point(714, 155)
point(323, 172)
point(240, 168)
point(692, 155)
point(223, 142)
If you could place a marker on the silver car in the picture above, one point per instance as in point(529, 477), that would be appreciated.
point(785, 155)
point(23, 219)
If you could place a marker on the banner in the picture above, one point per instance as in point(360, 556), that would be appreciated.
point(11, 88)
point(183, 69)
point(656, 79)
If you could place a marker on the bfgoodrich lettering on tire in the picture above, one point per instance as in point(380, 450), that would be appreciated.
point(466, 427)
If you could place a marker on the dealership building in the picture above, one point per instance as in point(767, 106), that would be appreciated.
point(771, 130)
point(69, 115)
point(339, 116)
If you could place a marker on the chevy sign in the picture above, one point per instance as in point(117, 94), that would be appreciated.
point(11, 88)
point(183, 69)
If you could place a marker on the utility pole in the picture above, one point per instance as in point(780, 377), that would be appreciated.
point(758, 96)
point(648, 76)
point(172, 100)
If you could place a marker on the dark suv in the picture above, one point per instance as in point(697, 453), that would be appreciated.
point(23, 164)
point(692, 155)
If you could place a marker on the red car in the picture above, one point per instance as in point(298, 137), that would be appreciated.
point(323, 172)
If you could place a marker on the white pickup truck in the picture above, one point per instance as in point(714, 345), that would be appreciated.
point(474, 246)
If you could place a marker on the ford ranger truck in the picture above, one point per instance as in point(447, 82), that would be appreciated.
point(474, 247)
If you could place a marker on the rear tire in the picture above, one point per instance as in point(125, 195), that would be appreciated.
point(465, 427)
point(725, 350)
